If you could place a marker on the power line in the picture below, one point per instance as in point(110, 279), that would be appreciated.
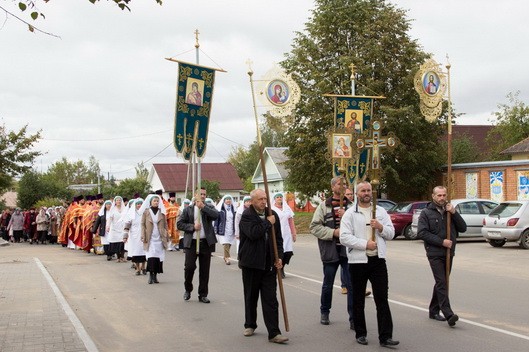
point(104, 139)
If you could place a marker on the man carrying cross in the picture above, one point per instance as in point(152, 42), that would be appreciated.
point(367, 261)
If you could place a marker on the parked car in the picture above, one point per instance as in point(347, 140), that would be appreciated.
point(401, 215)
point(386, 203)
point(473, 211)
point(508, 222)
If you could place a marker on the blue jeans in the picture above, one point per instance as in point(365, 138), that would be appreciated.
point(329, 274)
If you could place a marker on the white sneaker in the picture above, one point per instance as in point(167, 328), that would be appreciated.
point(248, 332)
point(279, 339)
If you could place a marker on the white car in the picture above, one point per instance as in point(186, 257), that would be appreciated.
point(508, 222)
point(473, 211)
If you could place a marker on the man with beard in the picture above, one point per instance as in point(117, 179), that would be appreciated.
point(432, 230)
point(367, 261)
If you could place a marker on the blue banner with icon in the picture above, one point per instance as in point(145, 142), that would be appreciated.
point(193, 107)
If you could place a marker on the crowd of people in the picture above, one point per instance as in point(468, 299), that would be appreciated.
point(351, 233)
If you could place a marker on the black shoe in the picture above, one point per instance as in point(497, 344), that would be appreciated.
point(151, 278)
point(452, 319)
point(437, 317)
point(389, 343)
point(351, 326)
point(362, 340)
point(144, 272)
point(187, 296)
point(203, 299)
point(324, 320)
point(109, 257)
point(155, 278)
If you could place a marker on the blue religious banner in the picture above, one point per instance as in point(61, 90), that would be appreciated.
point(193, 107)
point(353, 114)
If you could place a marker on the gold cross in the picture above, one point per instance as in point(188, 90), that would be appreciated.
point(249, 62)
point(197, 45)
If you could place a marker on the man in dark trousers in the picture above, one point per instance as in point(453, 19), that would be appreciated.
point(432, 230)
point(202, 229)
point(256, 259)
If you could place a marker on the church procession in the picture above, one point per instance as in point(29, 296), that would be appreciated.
point(205, 242)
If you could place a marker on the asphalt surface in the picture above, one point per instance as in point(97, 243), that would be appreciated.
point(56, 299)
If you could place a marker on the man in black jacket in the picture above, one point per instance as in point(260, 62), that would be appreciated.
point(206, 239)
point(256, 259)
point(432, 230)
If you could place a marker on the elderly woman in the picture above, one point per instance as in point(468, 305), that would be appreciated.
point(154, 235)
point(42, 225)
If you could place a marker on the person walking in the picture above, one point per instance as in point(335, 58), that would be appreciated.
point(115, 229)
point(225, 225)
point(196, 221)
point(288, 229)
point(154, 235)
point(42, 225)
point(432, 229)
point(259, 266)
point(16, 225)
point(367, 262)
point(325, 225)
point(132, 236)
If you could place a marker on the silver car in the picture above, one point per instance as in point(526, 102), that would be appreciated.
point(473, 211)
point(508, 222)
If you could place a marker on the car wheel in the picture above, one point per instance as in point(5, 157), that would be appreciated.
point(408, 234)
point(524, 240)
point(497, 243)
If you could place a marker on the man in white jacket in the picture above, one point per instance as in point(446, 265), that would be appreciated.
point(367, 261)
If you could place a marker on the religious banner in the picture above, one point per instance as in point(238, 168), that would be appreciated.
point(353, 114)
point(193, 107)
point(471, 188)
point(430, 84)
point(496, 186)
point(279, 92)
point(523, 185)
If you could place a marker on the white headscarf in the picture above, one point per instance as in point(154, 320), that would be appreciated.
point(132, 213)
point(102, 210)
point(241, 207)
point(221, 203)
point(147, 204)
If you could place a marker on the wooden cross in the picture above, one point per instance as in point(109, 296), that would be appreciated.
point(375, 141)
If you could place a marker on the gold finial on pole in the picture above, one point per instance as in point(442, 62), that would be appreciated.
point(352, 66)
point(249, 62)
point(197, 45)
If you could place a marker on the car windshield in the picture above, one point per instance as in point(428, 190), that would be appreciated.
point(402, 208)
point(505, 210)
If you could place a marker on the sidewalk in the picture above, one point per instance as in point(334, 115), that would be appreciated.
point(32, 316)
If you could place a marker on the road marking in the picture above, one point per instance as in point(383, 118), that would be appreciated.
point(484, 326)
point(81, 332)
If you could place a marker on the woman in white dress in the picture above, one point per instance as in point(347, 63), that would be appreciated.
point(154, 235)
point(132, 236)
point(288, 230)
point(225, 225)
point(115, 229)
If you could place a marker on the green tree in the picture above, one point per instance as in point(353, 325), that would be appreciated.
point(77, 172)
point(33, 187)
point(129, 186)
point(464, 150)
point(33, 12)
point(373, 35)
point(512, 126)
point(142, 172)
point(212, 189)
point(16, 154)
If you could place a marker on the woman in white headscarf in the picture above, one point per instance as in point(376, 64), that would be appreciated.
point(288, 229)
point(132, 236)
point(154, 235)
point(246, 201)
point(225, 225)
point(115, 228)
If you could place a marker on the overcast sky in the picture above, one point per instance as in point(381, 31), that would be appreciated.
point(104, 88)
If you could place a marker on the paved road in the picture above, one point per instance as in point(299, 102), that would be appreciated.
point(102, 306)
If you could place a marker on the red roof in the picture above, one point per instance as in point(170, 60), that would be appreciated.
point(476, 133)
point(173, 176)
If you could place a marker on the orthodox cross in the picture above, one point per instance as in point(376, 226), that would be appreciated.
point(375, 141)
point(197, 45)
